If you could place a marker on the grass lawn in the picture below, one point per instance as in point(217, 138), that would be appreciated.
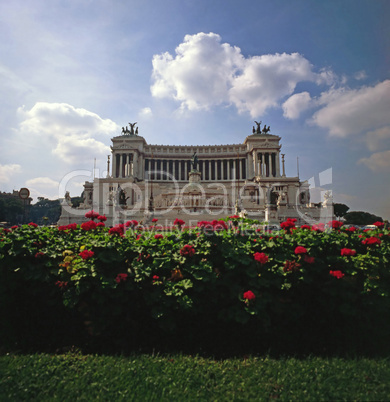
point(80, 377)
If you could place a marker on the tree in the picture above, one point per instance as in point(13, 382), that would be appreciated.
point(340, 210)
point(361, 218)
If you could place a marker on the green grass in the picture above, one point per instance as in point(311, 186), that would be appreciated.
point(178, 377)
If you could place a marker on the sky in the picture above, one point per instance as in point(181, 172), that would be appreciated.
point(74, 72)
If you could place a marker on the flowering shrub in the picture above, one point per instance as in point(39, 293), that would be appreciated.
point(154, 283)
point(335, 224)
point(288, 225)
point(178, 222)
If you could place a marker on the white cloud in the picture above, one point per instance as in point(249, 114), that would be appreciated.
point(360, 75)
point(68, 130)
point(296, 104)
point(205, 73)
point(352, 111)
point(7, 171)
point(145, 112)
point(379, 161)
point(378, 139)
point(45, 182)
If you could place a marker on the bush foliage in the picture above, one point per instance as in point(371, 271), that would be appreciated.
point(225, 288)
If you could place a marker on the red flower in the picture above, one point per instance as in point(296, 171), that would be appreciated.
point(351, 229)
point(234, 217)
point(154, 220)
point(138, 237)
point(100, 225)
point(337, 274)
point(92, 215)
point(379, 225)
point(347, 252)
point(102, 218)
point(34, 225)
point(117, 230)
point(262, 258)
point(335, 224)
point(14, 227)
point(132, 223)
point(300, 250)
point(155, 278)
point(61, 284)
point(305, 227)
point(39, 254)
point(178, 222)
point(90, 225)
point(371, 241)
point(121, 278)
point(187, 251)
point(319, 228)
point(308, 259)
point(158, 236)
point(249, 295)
point(288, 225)
point(85, 254)
point(291, 266)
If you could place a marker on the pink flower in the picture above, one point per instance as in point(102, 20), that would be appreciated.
point(337, 274)
point(85, 254)
point(249, 295)
point(90, 225)
point(371, 241)
point(158, 236)
point(308, 259)
point(347, 252)
point(262, 258)
point(187, 251)
point(319, 228)
point(121, 278)
point(34, 225)
point(300, 250)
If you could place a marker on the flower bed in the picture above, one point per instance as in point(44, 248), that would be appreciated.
point(218, 285)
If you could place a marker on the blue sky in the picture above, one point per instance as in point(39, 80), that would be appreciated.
point(72, 73)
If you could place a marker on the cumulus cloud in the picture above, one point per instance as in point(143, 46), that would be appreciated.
point(296, 104)
point(353, 111)
point(206, 72)
point(7, 171)
point(378, 139)
point(360, 75)
point(379, 161)
point(69, 130)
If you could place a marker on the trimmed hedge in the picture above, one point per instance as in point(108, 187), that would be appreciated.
point(226, 290)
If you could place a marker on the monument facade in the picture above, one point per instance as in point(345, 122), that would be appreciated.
point(194, 183)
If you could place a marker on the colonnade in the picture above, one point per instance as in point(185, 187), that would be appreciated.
point(266, 164)
point(211, 170)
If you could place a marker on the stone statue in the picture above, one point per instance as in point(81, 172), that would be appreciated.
point(258, 130)
point(253, 129)
point(194, 161)
point(136, 131)
point(123, 130)
point(121, 196)
point(67, 199)
point(328, 199)
point(132, 128)
point(266, 130)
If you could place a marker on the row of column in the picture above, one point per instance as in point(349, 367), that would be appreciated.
point(266, 164)
point(125, 165)
point(218, 169)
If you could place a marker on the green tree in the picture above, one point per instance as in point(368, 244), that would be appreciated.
point(361, 218)
point(45, 208)
point(340, 210)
